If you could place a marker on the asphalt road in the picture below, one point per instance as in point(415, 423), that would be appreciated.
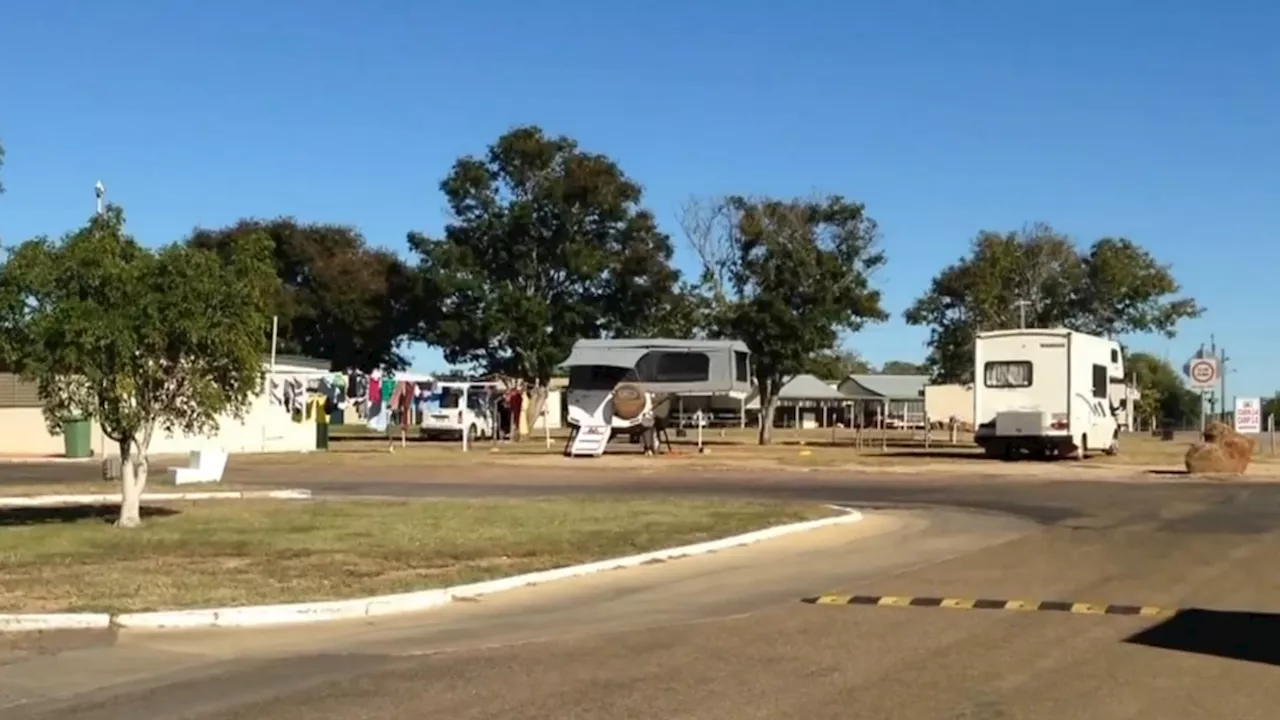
point(726, 636)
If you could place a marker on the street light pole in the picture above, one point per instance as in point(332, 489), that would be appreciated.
point(98, 192)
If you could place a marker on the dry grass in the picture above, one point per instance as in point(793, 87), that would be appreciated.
point(800, 448)
point(247, 552)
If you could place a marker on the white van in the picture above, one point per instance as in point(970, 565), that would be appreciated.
point(452, 407)
point(1045, 393)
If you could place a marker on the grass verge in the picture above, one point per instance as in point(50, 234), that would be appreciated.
point(209, 554)
point(111, 488)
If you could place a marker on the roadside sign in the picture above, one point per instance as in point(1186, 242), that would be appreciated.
point(1202, 372)
point(1248, 415)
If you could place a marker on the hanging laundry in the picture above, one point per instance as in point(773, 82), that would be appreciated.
point(375, 392)
point(275, 391)
point(378, 418)
point(388, 389)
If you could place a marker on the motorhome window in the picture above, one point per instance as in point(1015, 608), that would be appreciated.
point(596, 377)
point(1014, 374)
point(1115, 355)
point(741, 369)
point(1100, 383)
point(682, 367)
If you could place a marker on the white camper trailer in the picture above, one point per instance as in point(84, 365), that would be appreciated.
point(624, 386)
point(1045, 392)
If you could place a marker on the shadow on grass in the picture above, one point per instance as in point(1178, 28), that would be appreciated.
point(1235, 635)
point(12, 517)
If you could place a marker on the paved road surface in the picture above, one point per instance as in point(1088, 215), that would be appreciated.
point(725, 636)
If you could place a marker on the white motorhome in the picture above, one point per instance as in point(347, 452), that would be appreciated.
point(1045, 392)
point(625, 386)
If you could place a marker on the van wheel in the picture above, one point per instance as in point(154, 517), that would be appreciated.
point(471, 432)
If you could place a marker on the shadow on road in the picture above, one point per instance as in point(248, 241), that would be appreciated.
point(10, 517)
point(1249, 636)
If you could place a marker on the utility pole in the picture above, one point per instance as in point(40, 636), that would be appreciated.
point(1022, 313)
point(1221, 357)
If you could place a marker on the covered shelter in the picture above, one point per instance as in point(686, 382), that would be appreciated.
point(887, 400)
point(811, 401)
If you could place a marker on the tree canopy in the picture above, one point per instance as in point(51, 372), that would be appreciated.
point(1111, 288)
point(547, 243)
point(337, 298)
point(787, 277)
point(837, 364)
point(1165, 398)
point(902, 367)
point(136, 339)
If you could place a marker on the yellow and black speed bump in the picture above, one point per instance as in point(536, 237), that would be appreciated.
point(1078, 608)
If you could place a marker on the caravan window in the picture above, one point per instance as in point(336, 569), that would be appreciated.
point(596, 377)
point(1015, 374)
point(741, 369)
point(674, 367)
point(1100, 375)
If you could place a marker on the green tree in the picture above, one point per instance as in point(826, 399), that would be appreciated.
point(547, 244)
point(136, 339)
point(1040, 276)
point(1270, 406)
point(1166, 399)
point(787, 278)
point(837, 364)
point(336, 298)
point(902, 367)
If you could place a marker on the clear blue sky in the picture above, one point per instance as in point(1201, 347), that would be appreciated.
point(1155, 120)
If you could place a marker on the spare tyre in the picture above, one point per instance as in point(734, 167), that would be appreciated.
point(628, 401)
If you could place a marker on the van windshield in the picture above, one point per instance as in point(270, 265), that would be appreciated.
point(1012, 374)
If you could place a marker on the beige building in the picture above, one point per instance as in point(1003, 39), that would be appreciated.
point(265, 427)
point(944, 402)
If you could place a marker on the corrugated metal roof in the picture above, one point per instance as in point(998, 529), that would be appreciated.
point(809, 387)
point(892, 387)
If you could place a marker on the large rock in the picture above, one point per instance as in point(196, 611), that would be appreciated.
point(1223, 451)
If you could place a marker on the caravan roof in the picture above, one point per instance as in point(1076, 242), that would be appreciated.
point(722, 370)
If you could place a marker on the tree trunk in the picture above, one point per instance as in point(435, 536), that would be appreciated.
point(537, 402)
point(130, 486)
point(768, 407)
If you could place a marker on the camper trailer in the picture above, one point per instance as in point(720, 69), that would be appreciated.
point(1045, 393)
point(625, 386)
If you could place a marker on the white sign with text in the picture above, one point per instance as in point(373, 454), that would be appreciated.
point(1248, 416)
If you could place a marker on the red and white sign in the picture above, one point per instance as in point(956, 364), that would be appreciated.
point(1203, 372)
point(1248, 416)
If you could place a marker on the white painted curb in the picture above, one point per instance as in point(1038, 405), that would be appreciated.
point(295, 613)
point(29, 622)
point(91, 499)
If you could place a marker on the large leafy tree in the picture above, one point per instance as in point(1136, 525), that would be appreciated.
point(787, 277)
point(547, 243)
point(336, 297)
point(136, 339)
point(1165, 398)
point(902, 367)
point(1039, 277)
point(837, 364)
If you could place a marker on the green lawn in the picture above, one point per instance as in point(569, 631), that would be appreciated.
point(220, 553)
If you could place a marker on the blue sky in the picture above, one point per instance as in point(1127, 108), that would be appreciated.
point(1157, 121)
